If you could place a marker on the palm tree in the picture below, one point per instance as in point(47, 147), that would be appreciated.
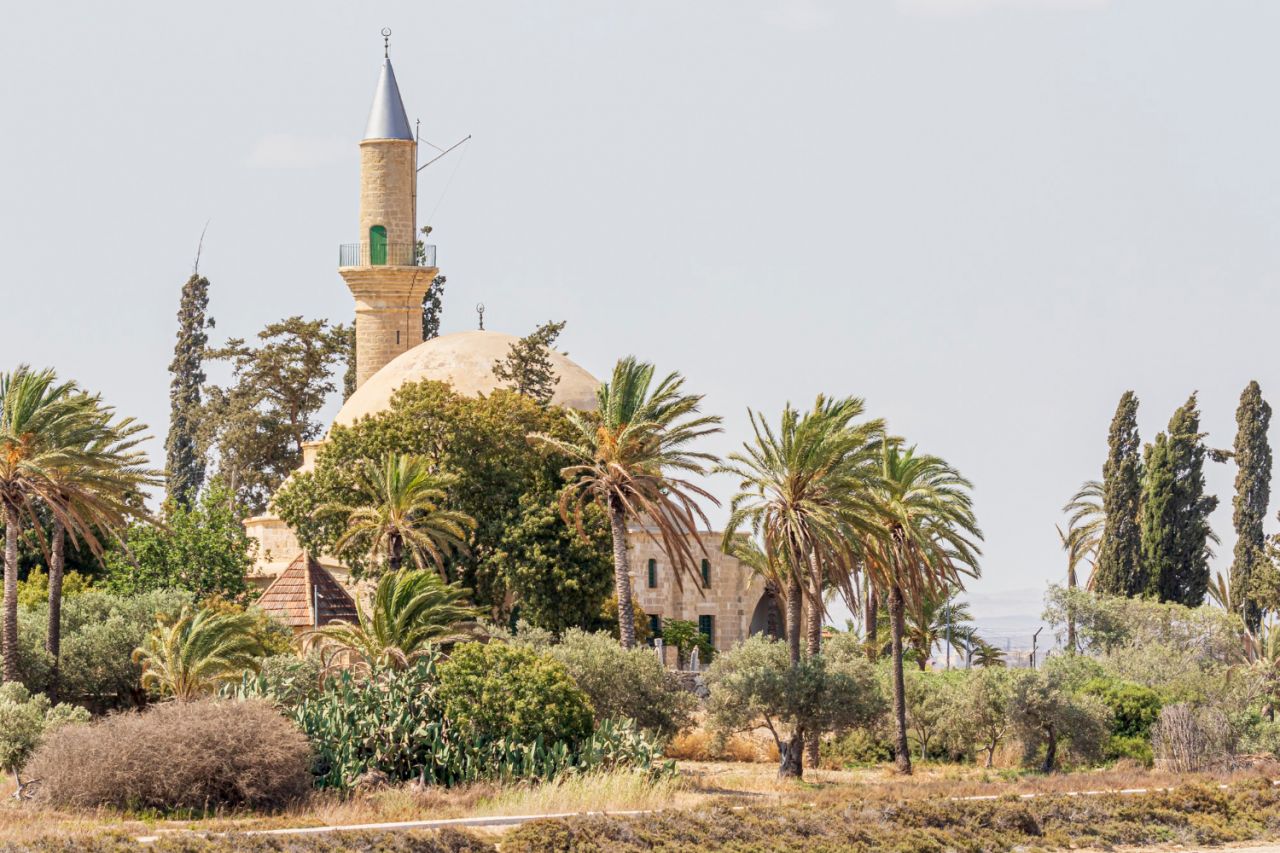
point(986, 655)
point(804, 492)
point(630, 457)
point(929, 540)
point(198, 652)
point(1221, 594)
point(939, 617)
point(51, 454)
point(1084, 530)
point(397, 508)
point(411, 611)
point(103, 489)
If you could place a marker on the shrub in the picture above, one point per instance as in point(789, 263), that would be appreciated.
point(983, 715)
point(1185, 738)
point(25, 720)
point(392, 723)
point(684, 636)
point(858, 748)
point(496, 691)
point(625, 683)
point(100, 630)
point(179, 755)
point(286, 680)
point(35, 589)
point(1134, 710)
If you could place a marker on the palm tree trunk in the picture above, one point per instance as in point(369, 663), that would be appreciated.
point(901, 750)
point(395, 553)
point(53, 636)
point(795, 603)
point(11, 525)
point(1071, 611)
point(622, 578)
point(871, 619)
point(813, 645)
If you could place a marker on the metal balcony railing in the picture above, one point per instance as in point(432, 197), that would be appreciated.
point(386, 254)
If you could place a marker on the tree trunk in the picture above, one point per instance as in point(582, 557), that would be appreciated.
point(991, 754)
point(10, 636)
point(870, 619)
point(622, 578)
point(813, 646)
point(395, 552)
point(902, 752)
point(53, 636)
point(795, 603)
point(1050, 751)
point(791, 766)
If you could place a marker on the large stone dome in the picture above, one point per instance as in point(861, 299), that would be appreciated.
point(464, 360)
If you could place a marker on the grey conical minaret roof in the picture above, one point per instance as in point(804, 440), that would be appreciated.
point(387, 119)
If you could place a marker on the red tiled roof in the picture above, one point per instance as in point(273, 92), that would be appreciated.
point(306, 596)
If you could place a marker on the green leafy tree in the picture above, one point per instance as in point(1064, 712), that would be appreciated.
point(185, 461)
point(397, 511)
point(630, 457)
point(557, 579)
point(258, 424)
point(927, 542)
point(756, 685)
point(195, 654)
point(1252, 454)
point(202, 548)
point(412, 612)
point(527, 368)
point(1176, 535)
point(494, 476)
point(984, 708)
point(1119, 569)
point(1047, 715)
point(433, 299)
point(933, 619)
point(932, 700)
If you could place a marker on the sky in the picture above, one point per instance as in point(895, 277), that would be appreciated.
point(988, 218)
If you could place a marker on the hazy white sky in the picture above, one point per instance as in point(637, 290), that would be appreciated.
point(987, 217)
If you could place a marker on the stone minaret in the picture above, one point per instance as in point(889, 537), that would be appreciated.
point(387, 277)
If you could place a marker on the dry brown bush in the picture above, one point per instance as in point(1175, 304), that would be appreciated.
point(700, 745)
point(194, 755)
point(1186, 738)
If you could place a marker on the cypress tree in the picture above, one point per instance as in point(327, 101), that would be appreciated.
point(184, 463)
point(1253, 493)
point(1175, 512)
point(432, 305)
point(1120, 554)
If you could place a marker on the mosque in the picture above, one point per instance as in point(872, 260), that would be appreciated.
point(388, 279)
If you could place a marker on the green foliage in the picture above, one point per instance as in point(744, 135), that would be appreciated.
point(26, 719)
point(287, 680)
point(983, 712)
point(393, 722)
point(527, 367)
point(856, 748)
point(412, 611)
point(198, 652)
point(1119, 569)
point(1134, 708)
point(559, 579)
point(202, 549)
point(35, 589)
point(756, 684)
point(932, 699)
point(493, 691)
point(684, 636)
point(479, 444)
point(1252, 454)
point(1175, 512)
point(100, 630)
point(624, 683)
point(1048, 716)
point(184, 464)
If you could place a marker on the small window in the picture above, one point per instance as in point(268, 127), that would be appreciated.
point(653, 574)
point(655, 625)
point(707, 628)
point(706, 574)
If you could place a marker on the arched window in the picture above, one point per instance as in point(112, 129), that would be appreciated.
point(706, 574)
point(653, 574)
point(378, 245)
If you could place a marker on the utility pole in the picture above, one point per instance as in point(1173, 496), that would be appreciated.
point(1035, 641)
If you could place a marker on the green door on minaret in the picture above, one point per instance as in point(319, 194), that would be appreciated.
point(377, 245)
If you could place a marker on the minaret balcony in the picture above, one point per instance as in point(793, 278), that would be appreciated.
point(386, 254)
